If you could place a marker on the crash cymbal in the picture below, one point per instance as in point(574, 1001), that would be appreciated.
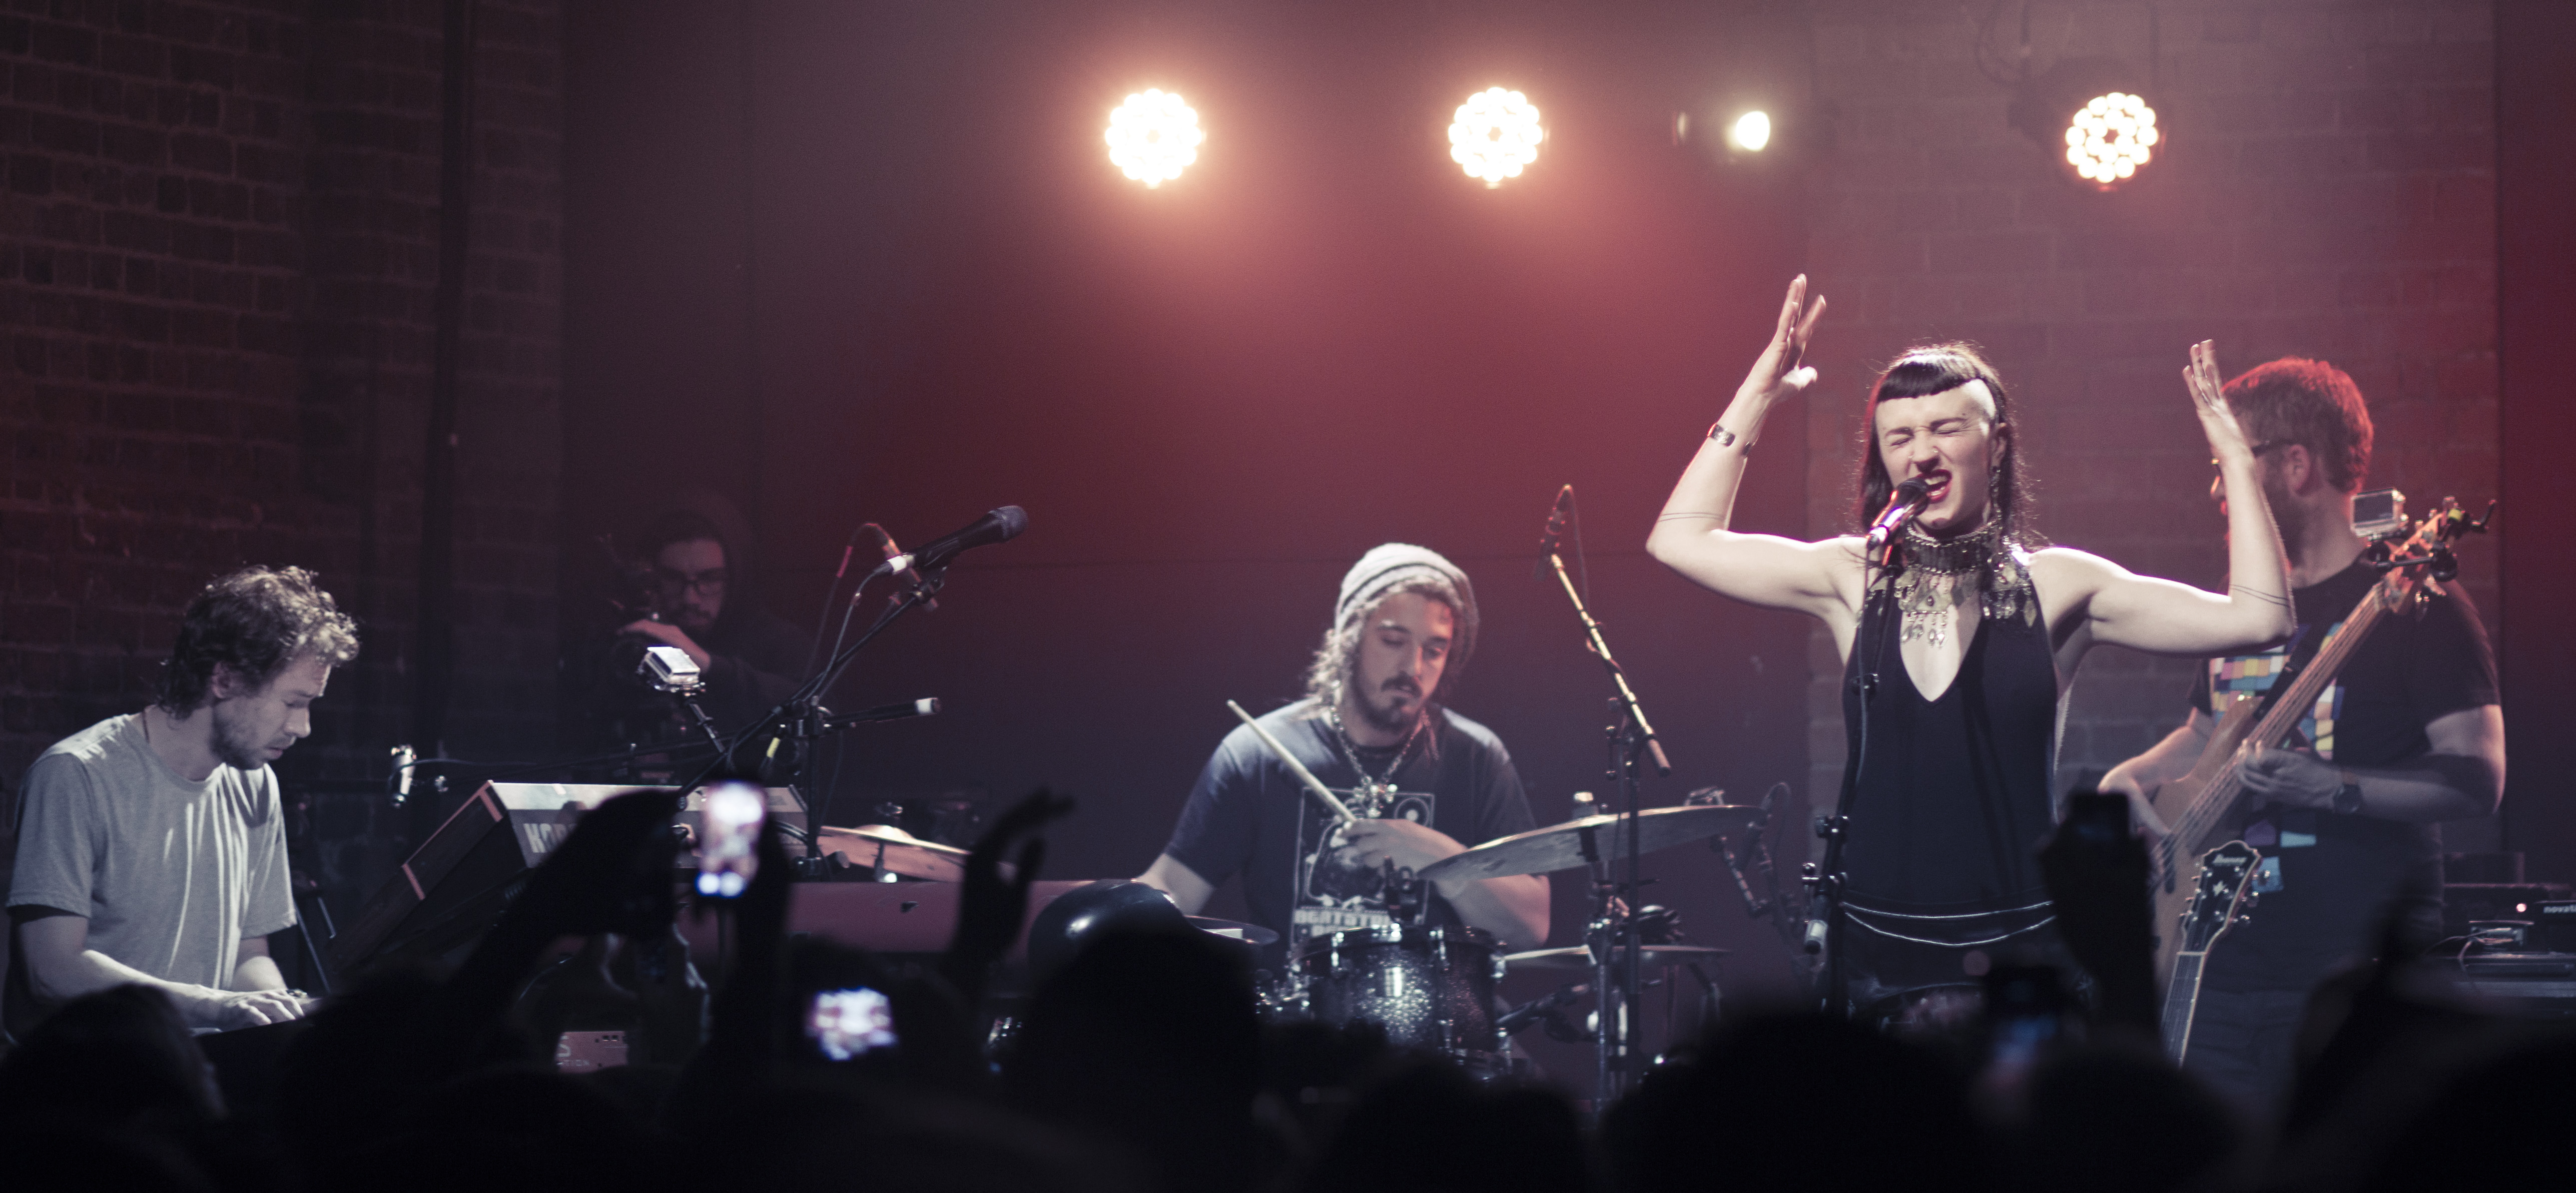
point(1561, 846)
point(895, 851)
point(1234, 930)
point(1579, 957)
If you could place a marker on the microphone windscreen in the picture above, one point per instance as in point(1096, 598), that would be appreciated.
point(1012, 520)
point(1913, 489)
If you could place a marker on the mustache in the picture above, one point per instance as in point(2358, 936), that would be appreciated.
point(1401, 683)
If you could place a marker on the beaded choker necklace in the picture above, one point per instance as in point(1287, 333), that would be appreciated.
point(1935, 576)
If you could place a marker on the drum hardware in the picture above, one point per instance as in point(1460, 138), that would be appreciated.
point(1752, 847)
point(1252, 934)
point(1579, 957)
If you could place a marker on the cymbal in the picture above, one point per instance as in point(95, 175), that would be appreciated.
point(891, 849)
point(1560, 846)
point(1234, 930)
point(1579, 957)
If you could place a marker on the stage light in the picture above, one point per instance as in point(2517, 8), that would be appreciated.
point(1750, 132)
point(1154, 136)
point(1495, 135)
point(2110, 137)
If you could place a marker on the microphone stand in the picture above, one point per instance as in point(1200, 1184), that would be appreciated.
point(1826, 885)
point(802, 713)
point(1631, 738)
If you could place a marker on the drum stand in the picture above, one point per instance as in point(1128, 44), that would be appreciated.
point(1617, 962)
point(1612, 933)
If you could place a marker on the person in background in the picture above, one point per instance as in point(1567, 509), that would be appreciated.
point(2409, 733)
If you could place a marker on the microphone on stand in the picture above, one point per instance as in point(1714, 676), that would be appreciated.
point(999, 526)
point(1902, 506)
point(905, 575)
point(1548, 542)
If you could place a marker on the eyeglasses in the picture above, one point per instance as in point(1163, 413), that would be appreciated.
point(710, 582)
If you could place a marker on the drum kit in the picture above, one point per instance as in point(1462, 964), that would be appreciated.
point(1435, 988)
point(1432, 988)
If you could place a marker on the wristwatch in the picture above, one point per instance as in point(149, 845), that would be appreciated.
point(2348, 799)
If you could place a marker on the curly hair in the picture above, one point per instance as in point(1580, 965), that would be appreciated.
point(1339, 651)
point(255, 621)
point(2309, 403)
point(1920, 372)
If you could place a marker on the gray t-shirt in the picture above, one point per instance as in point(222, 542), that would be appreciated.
point(172, 874)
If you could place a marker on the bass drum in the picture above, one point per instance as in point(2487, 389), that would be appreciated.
point(1429, 988)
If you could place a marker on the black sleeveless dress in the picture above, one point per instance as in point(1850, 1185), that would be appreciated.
point(1951, 804)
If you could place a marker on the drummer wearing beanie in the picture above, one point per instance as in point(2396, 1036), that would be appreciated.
point(1425, 782)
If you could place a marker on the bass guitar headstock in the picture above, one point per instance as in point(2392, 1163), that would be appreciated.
point(2424, 558)
point(2221, 896)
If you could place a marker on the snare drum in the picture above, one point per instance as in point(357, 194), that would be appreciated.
point(1430, 988)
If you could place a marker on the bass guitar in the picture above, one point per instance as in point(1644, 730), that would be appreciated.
point(2212, 796)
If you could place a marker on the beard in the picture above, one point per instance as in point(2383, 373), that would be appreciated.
point(236, 745)
point(1387, 716)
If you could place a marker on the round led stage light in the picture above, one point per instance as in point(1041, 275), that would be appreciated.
point(1496, 135)
point(1751, 131)
point(1154, 136)
point(2111, 137)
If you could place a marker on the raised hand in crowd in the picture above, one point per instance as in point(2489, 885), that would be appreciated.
point(992, 907)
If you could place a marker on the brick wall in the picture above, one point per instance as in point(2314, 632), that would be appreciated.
point(2326, 188)
point(217, 254)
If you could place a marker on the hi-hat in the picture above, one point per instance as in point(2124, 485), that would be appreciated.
point(1577, 842)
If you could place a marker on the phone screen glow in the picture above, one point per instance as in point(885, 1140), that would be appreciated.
point(845, 1023)
point(730, 855)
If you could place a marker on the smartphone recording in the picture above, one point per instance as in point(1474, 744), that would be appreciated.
point(729, 848)
point(848, 1024)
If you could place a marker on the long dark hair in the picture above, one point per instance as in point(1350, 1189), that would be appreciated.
point(1920, 372)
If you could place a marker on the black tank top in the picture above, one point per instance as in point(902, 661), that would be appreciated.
point(1953, 797)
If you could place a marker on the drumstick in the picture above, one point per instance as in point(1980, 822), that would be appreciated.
point(1295, 767)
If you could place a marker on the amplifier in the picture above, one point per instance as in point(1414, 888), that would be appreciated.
point(2466, 901)
point(2538, 985)
point(2553, 925)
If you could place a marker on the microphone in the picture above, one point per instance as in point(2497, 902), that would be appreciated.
point(904, 573)
point(1557, 517)
point(999, 526)
point(1908, 500)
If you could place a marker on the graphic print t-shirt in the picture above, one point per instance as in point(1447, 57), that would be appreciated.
point(2326, 877)
point(1249, 815)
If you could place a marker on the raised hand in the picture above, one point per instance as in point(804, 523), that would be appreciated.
point(991, 908)
point(2217, 420)
point(611, 874)
point(1781, 370)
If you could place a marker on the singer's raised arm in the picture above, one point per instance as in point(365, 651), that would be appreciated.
point(1692, 535)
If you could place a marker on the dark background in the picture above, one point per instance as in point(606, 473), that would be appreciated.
point(843, 262)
